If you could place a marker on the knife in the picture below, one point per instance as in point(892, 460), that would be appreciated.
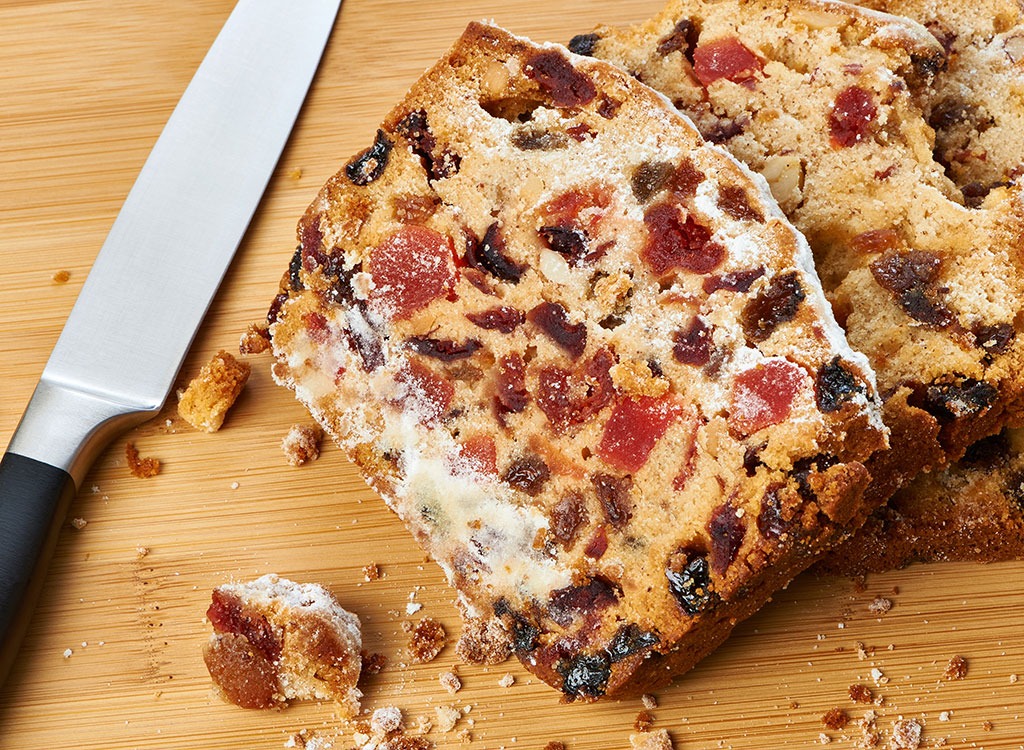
point(154, 278)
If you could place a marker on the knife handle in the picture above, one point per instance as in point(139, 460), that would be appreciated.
point(34, 500)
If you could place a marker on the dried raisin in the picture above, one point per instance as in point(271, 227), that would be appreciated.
point(777, 303)
point(689, 579)
point(553, 319)
point(490, 255)
point(726, 529)
point(559, 79)
point(370, 164)
point(528, 474)
point(614, 495)
point(835, 386)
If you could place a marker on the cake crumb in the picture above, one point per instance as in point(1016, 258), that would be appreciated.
point(428, 639)
point(142, 551)
point(386, 720)
point(67, 653)
point(880, 606)
point(450, 682)
point(255, 340)
point(956, 669)
point(944, 715)
point(302, 444)
point(483, 641)
point(649, 701)
point(374, 663)
point(824, 739)
point(1013, 679)
point(656, 740)
point(861, 693)
point(835, 718)
point(644, 721)
point(61, 277)
point(79, 523)
point(447, 718)
point(205, 402)
point(906, 734)
point(555, 745)
point(507, 680)
point(371, 572)
point(879, 676)
point(143, 468)
point(987, 725)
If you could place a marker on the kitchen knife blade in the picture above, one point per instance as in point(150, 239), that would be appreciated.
point(154, 278)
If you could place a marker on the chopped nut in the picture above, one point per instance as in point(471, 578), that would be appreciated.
point(636, 379)
point(507, 680)
point(142, 468)
point(302, 444)
point(447, 718)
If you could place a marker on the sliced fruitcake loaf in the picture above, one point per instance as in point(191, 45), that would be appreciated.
point(584, 357)
point(824, 99)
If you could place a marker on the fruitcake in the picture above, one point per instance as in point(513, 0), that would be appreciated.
point(583, 356)
point(824, 99)
point(971, 511)
point(275, 640)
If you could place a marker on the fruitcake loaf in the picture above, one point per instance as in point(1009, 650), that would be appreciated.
point(971, 512)
point(584, 357)
point(824, 99)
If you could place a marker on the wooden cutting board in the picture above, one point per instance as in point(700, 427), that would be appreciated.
point(113, 659)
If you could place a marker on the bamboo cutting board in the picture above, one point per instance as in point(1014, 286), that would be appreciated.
point(113, 659)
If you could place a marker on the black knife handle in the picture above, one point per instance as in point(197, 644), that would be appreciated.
point(34, 500)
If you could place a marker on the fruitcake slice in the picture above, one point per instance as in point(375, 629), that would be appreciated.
point(972, 510)
point(823, 98)
point(584, 357)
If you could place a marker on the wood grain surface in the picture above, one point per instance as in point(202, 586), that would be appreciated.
point(113, 659)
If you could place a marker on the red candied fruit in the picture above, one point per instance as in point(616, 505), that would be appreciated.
point(726, 58)
point(851, 117)
point(426, 392)
point(633, 429)
point(763, 395)
point(674, 243)
point(478, 453)
point(410, 269)
point(227, 614)
point(567, 207)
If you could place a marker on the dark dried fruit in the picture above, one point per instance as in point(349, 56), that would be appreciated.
point(553, 319)
point(1015, 489)
point(727, 529)
point(439, 164)
point(294, 268)
point(559, 79)
point(567, 516)
point(490, 255)
point(510, 387)
point(608, 107)
point(689, 580)
point(875, 241)
point(949, 112)
point(528, 474)
point(733, 199)
point(852, 114)
point(362, 337)
point(568, 241)
point(503, 318)
point(614, 495)
point(735, 281)
point(275, 308)
point(586, 675)
point(524, 633)
point(370, 164)
point(975, 193)
point(683, 38)
point(770, 521)
point(693, 344)
point(686, 179)
point(572, 397)
point(311, 240)
point(966, 398)
point(725, 128)
point(587, 600)
point(628, 640)
point(777, 303)
point(911, 278)
point(583, 44)
point(228, 614)
point(674, 243)
point(445, 350)
point(987, 453)
point(835, 385)
point(598, 544)
point(649, 178)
